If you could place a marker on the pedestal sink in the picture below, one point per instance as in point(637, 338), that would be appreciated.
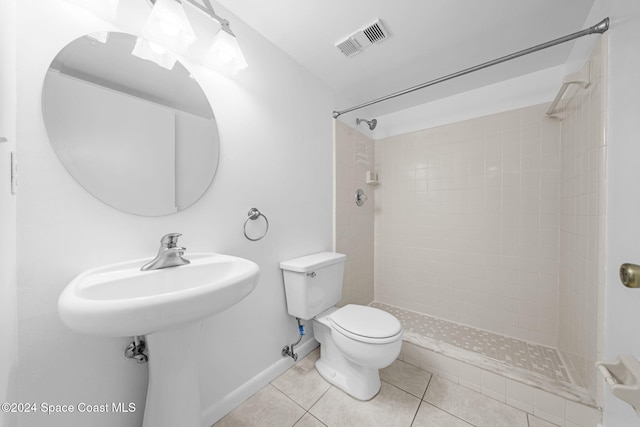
point(168, 306)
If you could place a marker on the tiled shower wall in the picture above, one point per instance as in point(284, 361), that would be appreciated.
point(582, 223)
point(467, 223)
point(354, 155)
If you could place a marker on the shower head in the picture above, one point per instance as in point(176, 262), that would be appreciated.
point(372, 123)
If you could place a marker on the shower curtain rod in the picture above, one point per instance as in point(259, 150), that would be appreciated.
point(599, 28)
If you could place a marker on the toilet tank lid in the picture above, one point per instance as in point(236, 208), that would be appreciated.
point(312, 262)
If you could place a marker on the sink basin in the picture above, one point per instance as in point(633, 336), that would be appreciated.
point(167, 306)
point(120, 300)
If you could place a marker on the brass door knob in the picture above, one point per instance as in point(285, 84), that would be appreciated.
point(630, 275)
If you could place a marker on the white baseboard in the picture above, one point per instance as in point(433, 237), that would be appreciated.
point(219, 409)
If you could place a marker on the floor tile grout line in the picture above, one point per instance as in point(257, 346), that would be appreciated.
point(449, 413)
point(318, 419)
point(424, 393)
point(429, 403)
point(290, 398)
point(421, 398)
point(321, 396)
point(442, 409)
point(298, 420)
point(293, 400)
point(306, 411)
point(413, 420)
point(428, 384)
point(312, 416)
point(316, 402)
point(399, 388)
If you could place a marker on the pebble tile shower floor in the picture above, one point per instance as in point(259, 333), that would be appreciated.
point(409, 397)
point(533, 357)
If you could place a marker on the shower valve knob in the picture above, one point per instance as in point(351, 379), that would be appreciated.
point(630, 275)
point(360, 197)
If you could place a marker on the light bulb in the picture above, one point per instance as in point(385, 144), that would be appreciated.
point(169, 26)
point(225, 53)
point(224, 56)
point(156, 48)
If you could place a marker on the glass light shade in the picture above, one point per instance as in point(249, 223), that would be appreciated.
point(169, 26)
point(151, 51)
point(225, 53)
point(104, 8)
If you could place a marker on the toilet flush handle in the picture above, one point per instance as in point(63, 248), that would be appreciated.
point(312, 274)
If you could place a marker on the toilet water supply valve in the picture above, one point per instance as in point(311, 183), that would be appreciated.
point(135, 350)
point(288, 351)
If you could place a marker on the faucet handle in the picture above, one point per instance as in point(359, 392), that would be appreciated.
point(170, 240)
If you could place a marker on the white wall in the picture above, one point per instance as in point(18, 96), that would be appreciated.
point(276, 154)
point(8, 307)
point(623, 175)
point(354, 155)
point(582, 223)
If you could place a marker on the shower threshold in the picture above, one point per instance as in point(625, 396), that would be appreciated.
point(532, 364)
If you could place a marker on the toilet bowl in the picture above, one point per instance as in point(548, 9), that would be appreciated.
point(355, 341)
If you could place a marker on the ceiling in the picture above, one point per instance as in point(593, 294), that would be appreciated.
point(428, 39)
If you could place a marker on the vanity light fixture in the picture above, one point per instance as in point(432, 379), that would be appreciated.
point(169, 26)
point(151, 51)
point(225, 52)
point(168, 31)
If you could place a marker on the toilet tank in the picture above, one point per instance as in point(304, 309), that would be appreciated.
point(313, 283)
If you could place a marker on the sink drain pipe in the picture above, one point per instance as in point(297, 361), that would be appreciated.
point(288, 351)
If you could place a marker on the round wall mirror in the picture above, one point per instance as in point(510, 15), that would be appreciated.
point(139, 136)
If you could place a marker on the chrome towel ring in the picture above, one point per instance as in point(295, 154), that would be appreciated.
point(253, 215)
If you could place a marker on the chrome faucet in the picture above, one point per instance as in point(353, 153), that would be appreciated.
point(169, 255)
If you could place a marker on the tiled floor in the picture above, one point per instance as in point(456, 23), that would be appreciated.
point(533, 357)
point(409, 397)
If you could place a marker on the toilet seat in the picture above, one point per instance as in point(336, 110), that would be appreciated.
point(366, 324)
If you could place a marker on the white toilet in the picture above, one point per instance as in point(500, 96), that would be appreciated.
point(356, 341)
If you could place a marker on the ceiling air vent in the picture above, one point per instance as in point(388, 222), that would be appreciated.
point(362, 39)
point(349, 47)
point(375, 32)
